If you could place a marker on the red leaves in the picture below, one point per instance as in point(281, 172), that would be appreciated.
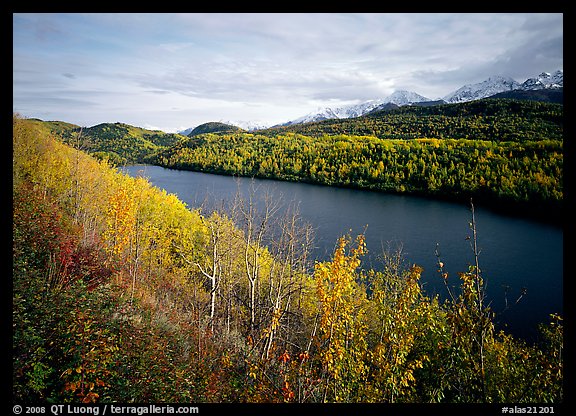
point(37, 224)
point(285, 357)
point(87, 263)
point(287, 392)
point(44, 233)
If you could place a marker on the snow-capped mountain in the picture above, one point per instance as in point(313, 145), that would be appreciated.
point(491, 86)
point(245, 125)
point(327, 113)
point(399, 98)
point(403, 97)
point(248, 125)
point(318, 115)
point(469, 92)
point(186, 132)
point(544, 80)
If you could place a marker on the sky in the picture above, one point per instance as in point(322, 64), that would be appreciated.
point(175, 71)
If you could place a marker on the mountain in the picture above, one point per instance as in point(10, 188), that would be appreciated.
point(329, 113)
point(544, 80)
point(429, 103)
point(506, 87)
point(119, 143)
point(384, 107)
point(548, 95)
point(214, 127)
point(488, 119)
point(186, 132)
point(491, 86)
point(398, 98)
point(248, 125)
point(111, 137)
point(402, 97)
point(224, 126)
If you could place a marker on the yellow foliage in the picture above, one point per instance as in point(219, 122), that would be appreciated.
point(121, 218)
point(342, 324)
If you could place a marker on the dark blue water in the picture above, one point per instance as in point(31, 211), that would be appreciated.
point(514, 252)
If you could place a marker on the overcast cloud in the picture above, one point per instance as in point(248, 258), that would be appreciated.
point(173, 71)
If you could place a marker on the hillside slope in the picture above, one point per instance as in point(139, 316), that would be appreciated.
point(503, 153)
point(214, 127)
point(487, 119)
point(119, 143)
point(120, 293)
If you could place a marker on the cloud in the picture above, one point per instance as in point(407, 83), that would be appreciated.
point(215, 64)
point(531, 58)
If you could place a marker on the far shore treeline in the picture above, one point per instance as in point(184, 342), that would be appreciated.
point(122, 293)
point(507, 154)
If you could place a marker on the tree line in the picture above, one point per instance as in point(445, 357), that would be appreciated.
point(487, 119)
point(503, 152)
point(122, 293)
point(527, 174)
point(118, 143)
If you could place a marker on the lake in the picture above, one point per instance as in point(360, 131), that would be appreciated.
point(515, 253)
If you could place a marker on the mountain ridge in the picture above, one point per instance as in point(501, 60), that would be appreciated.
point(493, 85)
point(399, 98)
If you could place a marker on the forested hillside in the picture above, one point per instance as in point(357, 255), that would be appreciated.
point(500, 120)
point(121, 293)
point(118, 143)
point(526, 175)
point(504, 153)
point(214, 127)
